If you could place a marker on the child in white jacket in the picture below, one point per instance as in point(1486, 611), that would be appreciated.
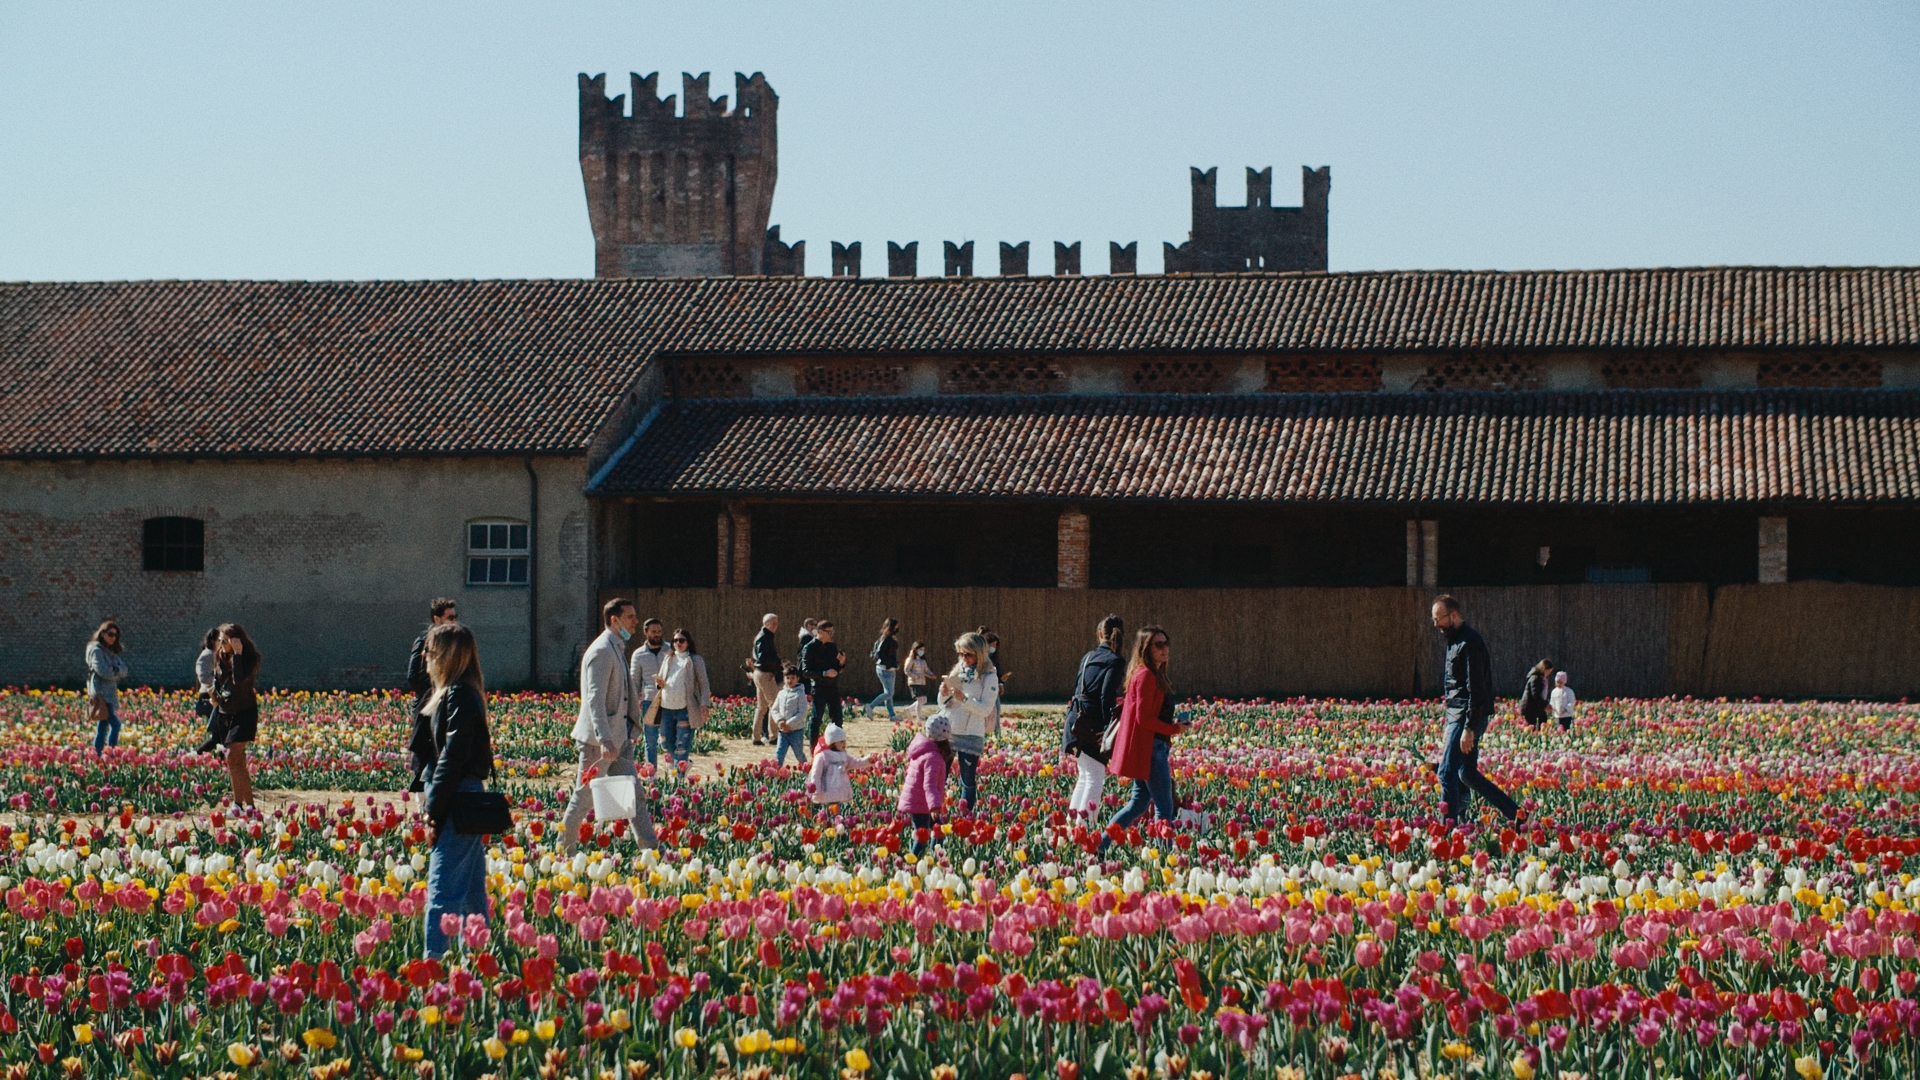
point(1561, 701)
point(789, 716)
point(830, 782)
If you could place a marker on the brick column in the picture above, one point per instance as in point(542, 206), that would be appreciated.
point(735, 547)
point(1773, 551)
point(1071, 570)
point(1423, 554)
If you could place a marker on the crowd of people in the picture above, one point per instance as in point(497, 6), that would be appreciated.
point(639, 699)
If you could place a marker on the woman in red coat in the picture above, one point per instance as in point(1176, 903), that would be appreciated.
point(1144, 736)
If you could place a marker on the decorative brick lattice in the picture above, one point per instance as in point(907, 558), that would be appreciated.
point(709, 379)
point(1003, 377)
point(1197, 376)
point(1846, 370)
point(1482, 373)
point(851, 380)
point(1317, 374)
point(1650, 371)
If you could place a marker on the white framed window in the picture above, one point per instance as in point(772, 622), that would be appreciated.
point(496, 553)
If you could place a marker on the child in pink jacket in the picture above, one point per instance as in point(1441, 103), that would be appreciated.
point(923, 791)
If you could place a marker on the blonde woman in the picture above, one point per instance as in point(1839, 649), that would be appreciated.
point(970, 693)
point(463, 760)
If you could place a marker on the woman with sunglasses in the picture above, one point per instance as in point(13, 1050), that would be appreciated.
point(105, 669)
point(685, 694)
point(1144, 739)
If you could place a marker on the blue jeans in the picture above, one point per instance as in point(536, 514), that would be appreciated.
point(456, 878)
point(1155, 792)
point(676, 733)
point(796, 741)
point(885, 675)
point(969, 778)
point(107, 732)
point(653, 744)
point(1460, 773)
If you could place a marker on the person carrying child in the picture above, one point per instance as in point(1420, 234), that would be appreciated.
point(788, 715)
point(923, 790)
point(829, 782)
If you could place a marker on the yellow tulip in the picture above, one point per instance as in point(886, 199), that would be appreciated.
point(857, 1060)
point(1808, 1067)
point(789, 1046)
point(83, 1033)
point(544, 1029)
point(1455, 1051)
point(1522, 1068)
point(686, 1039)
point(242, 1055)
point(318, 1039)
point(619, 1019)
point(429, 1014)
point(495, 1048)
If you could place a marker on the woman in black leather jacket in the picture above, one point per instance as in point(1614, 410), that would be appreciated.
point(463, 760)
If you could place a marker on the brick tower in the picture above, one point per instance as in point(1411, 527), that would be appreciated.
point(681, 195)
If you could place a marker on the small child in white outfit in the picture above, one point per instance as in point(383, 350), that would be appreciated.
point(829, 783)
point(789, 716)
point(1561, 701)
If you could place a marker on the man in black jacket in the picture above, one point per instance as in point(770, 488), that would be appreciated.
point(1469, 704)
point(1094, 707)
point(420, 744)
point(766, 676)
point(822, 660)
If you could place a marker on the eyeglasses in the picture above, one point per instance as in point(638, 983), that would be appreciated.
point(679, 641)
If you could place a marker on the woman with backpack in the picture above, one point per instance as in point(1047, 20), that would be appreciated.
point(1091, 712)
point(886, 665)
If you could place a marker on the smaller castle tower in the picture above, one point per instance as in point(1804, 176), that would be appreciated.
point(1259, 235)
point(680, 195)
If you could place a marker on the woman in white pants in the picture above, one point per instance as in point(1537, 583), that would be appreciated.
point(1095, 705)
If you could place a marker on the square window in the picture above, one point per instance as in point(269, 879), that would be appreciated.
point(173, 544)
point(497, 553)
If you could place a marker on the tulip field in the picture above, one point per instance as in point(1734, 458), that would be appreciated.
point(1700, 889)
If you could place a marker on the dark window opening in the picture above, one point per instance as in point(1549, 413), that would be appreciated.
point(1242, 560)
point(925, 564)
point(174, 543)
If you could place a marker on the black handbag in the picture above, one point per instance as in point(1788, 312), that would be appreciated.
point(480, 813)
point(203, 706)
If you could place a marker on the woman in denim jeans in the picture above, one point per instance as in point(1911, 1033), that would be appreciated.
point(886, 665)
point(463, 760)
point(684, 697)
point(1144, 738)
point(105, 669)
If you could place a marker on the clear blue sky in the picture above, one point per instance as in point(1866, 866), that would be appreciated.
point(410, 140)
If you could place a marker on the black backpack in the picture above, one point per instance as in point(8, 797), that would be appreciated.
point(1086, 697)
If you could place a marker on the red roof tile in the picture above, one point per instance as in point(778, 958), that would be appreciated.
point(252, 368)
point(1596, 448)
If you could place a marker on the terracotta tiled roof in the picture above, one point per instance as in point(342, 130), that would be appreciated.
point(1606, 448)
point(213, 368)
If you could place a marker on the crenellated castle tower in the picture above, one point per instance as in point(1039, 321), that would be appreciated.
point(679, 195)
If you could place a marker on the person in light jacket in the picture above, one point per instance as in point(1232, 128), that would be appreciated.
point(604, 731)
point(1562, 701)
point(970, 696)
point(685, 695)
point(456, 713)
point(789, 717)
point(923, 787)
point(105, 669)
point(206, 671)
point(1143, 743)
point(830, 779)
point(641, 669)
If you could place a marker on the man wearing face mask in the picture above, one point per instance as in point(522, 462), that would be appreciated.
point(609, 712)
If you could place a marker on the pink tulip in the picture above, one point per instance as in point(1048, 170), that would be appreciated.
point(1368, 953)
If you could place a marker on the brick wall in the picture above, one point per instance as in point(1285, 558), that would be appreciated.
point(329, 565)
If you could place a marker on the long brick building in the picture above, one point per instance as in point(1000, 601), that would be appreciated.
point(1645, 473)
